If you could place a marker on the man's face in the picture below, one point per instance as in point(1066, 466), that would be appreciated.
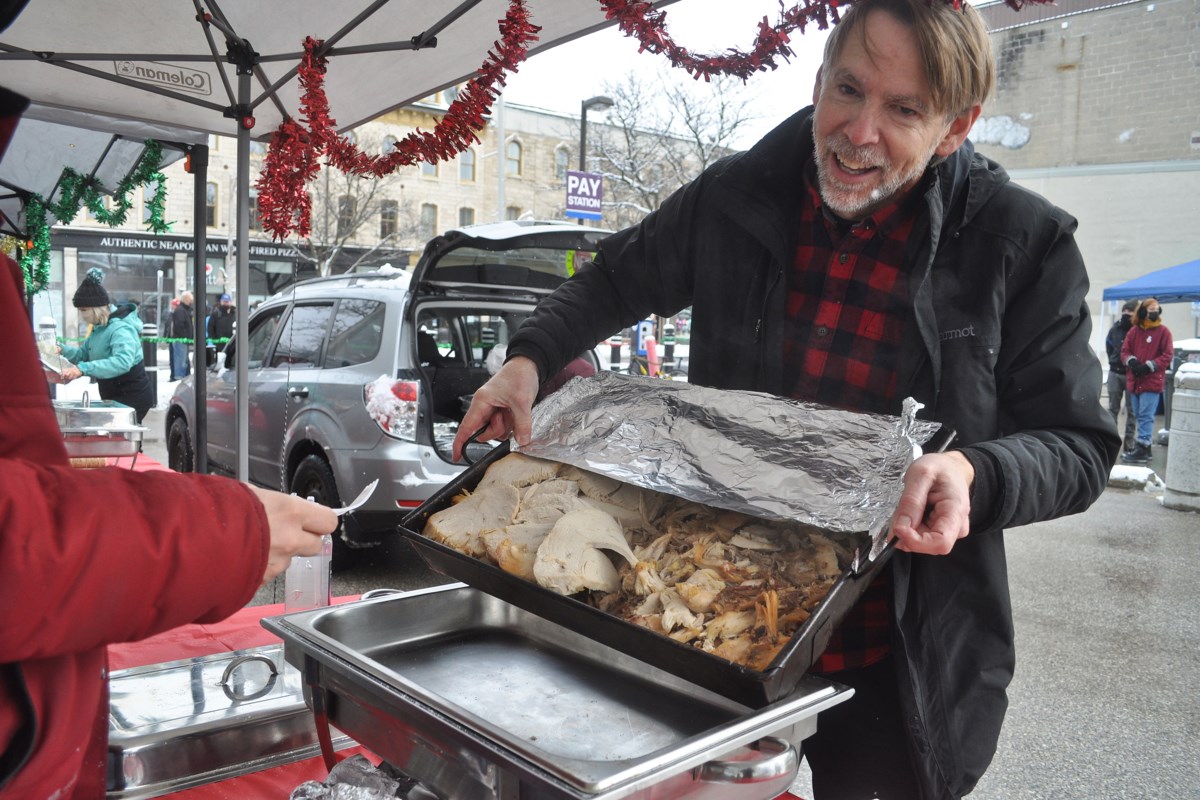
point(875, 126)
point(227, 304)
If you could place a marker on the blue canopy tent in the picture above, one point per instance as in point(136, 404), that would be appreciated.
point(1177, 284)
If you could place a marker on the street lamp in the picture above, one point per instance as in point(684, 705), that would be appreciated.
point(594, 102)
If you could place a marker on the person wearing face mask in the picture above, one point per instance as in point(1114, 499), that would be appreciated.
point(112, 351)
point(1147, 353)
point(1117, 372)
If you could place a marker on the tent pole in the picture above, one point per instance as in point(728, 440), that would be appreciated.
point(199, 158)
point(242, 314)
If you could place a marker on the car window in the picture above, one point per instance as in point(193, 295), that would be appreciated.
point(299, 345)
point(356, 333)
point(262, 329)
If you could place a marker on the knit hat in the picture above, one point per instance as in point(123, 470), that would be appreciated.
point(225, 298)
point(91, 293)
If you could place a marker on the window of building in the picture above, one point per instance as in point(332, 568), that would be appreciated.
point(210, 205)
point(257, 148)
point(512, 213)
point(512, 158)
point(148, 190)
point(389, 144)
point(429, 170)
point(388, 213)
point(562, 163)
point(347, 206)
point(428, 220)
point(255, 222)
point(466, 216)
point(466, 165)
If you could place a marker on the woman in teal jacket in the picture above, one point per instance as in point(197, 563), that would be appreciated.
point(112, 352)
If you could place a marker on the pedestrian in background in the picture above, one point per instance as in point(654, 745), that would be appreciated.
point(1117, 373)
point(1147, 353)
point(112, 352)
point(183, 330)
point(220, 322)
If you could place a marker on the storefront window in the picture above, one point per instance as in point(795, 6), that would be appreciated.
point(131, 278)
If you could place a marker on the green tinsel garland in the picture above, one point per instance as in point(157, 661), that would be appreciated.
point(77, 190)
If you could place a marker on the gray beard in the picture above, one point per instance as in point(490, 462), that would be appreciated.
point(876, 198)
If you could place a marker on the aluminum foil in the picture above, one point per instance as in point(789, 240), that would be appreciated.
point(745, 451)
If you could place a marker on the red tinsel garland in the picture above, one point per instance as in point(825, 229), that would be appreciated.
point(642, 21)
point(284, 204)
point(292, 161)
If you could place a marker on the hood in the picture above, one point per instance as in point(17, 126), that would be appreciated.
point(967, 181)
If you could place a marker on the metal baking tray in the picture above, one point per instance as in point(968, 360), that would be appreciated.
point(740, 683)
point(475, 697)
point(186, 723)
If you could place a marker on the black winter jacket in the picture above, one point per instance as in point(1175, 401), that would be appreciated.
point(1000, 354)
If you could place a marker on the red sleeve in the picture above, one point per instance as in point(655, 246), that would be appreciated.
point(89, 557)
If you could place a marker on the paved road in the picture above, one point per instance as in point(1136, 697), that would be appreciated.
point(1105, 701)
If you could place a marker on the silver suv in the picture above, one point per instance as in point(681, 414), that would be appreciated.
point(367, 375)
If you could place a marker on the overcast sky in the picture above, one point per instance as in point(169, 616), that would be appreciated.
point(561, 78)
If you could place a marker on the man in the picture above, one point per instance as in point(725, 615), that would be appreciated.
point(1116, 373)
point(183, 333)
point(220, 322)
point(92, 557)
point(861, 253)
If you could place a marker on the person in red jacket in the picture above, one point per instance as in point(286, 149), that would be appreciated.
point(1146, 353)
point(93, 557)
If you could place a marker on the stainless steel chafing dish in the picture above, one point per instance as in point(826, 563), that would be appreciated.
point(477, 699)
point(181, 724)
point(98, 428)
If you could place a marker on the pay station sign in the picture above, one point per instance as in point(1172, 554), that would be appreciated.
point(584, 192)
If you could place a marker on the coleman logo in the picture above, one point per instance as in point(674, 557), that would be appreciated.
point(181, 78)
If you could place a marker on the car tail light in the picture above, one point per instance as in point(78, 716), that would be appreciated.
point(393, 405)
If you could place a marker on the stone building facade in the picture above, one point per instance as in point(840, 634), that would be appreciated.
point(1097, 107)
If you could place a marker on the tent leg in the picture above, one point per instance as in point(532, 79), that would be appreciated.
point(199, 159)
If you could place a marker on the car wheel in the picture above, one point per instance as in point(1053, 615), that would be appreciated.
point(179, 447)
point(314, 479)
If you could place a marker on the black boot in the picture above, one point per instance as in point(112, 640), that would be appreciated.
point(1139, 455)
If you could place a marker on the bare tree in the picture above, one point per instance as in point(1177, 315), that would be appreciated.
point(660, 133)
point(370, 217)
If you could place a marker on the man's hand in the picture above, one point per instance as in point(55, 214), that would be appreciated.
point(502, 404)
point(296, 527)
point(934, 509)
point(71, 373)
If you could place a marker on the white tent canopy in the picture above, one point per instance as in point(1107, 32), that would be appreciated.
point(49, 140)
point(153, 61)
point(207, 67)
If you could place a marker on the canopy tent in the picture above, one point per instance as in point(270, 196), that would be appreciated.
point(48, 140)
point(195, 66)
point(1178, 284)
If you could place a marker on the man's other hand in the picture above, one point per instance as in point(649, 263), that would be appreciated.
point(935, 506)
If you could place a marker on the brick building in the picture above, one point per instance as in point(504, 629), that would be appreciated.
point(1097, 107)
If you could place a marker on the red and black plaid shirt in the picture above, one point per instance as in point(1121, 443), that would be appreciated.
point(847, 309)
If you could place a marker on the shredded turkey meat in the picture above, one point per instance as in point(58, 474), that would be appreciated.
point(730, 584)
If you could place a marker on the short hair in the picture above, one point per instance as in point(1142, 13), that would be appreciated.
point(1130, 305)
point(953, 43)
